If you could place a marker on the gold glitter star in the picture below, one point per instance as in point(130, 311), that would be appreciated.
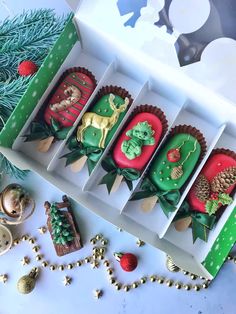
point(42, 230)
point(97, 294)
point(67, 281)
point(3, 278)
point(25, 261)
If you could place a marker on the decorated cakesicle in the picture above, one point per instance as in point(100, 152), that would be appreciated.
point(97, 127)
point(209, 193)
point(134, 147)
point(63, 107)
point(171, 169)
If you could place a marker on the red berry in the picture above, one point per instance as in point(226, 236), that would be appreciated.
point(26, 68)
point(128, 262)
point(214, 196)
point(173, 155)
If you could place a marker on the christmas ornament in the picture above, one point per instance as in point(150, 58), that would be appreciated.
point(27, 67)
point(62, 227)
point(67, 281)
point(128, 261)
point(3, 278)
point(173, 155)
point(5, 239)
point(15, 202)
point(25, 261)
point(27, 283)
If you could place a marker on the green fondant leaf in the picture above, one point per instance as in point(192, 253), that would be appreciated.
point(211, 206)
point(225, 199)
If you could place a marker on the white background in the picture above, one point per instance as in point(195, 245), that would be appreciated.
point(50, 296)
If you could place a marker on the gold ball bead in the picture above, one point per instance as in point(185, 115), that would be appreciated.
point(112, 280)
point(44, 264)
point(143, 280)
point(78, 263)
point(202, 277)
point(185, 272)
point(25, 237)
point(16, 242)
point(178, 285)
point(52, 267)
point(169, 283)
point(110, 271)
point(38, 257)
point(193, 277)
point(87, 260)
point(98, 237)
point(102, 250)
point(187, 287)
point(106, 263)
point(230, 257)
point(205, 285)
point(235, 260)
point(60, 267)
point(95, 250)
point(70, 266)
point(31, 240)
point(35, 249)
point(196, 287)
point(118, 286)
point(126, 288)
point(101, 257)
point(93, 241)
point(104, 241)
point(134, 285)
point(160, 280)
point(153, 278)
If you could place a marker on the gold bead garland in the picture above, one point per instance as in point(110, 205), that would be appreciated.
point(100, 253)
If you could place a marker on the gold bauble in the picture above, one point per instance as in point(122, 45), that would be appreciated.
point(26, 283)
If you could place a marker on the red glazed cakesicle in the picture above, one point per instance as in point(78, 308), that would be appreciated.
point(217, 176)
point(135, 141)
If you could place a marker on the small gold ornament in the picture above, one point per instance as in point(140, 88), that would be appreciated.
point(134, 285)
point(169, 283)
point(38, 257)
point(61, 267)
point(98, 237)
point(42, 230)
point(26, 283)
point(79, 263)
point(196, 288)
point(93, 241)
point(112, 280)
point(67, 281)
point(118, 286)
point(153, 278)
point(187, 287)
point(140, 243)
point(32, 240)
point(178, 285)
point(25, 237)
point(52, 267)
point(161, 280)
point(110, 271)
point(95, 264)
point(143, 280)
point(104, 241)
point(87, 260)
point(35, 249)
point(16, 242)
point(97, 293)
point(25, 261)
point(176, 172)
point(119, 229)
point(3, 278)
point(70, 266)
point(193, 277)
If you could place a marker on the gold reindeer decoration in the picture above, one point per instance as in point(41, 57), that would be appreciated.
point(105, 124)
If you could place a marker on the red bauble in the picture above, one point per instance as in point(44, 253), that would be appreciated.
point(26, 68)
point(173, 155)
point(128, 261)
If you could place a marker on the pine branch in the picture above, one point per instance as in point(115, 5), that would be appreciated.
point(7, 168)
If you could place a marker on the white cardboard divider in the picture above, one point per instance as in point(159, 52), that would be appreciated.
point(200, 249)
point(156, 219)
point(75, 58)
point(115, 77)
point(171, 110)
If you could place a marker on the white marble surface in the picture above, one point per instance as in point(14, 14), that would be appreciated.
point(51, 297)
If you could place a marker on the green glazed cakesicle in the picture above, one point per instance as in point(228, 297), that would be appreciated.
point(175, 163)
point(99, 125)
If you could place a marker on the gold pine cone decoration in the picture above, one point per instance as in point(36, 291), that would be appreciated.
point(26, 283)
point(223, 180)
point(176, 172)
point(202, 188)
